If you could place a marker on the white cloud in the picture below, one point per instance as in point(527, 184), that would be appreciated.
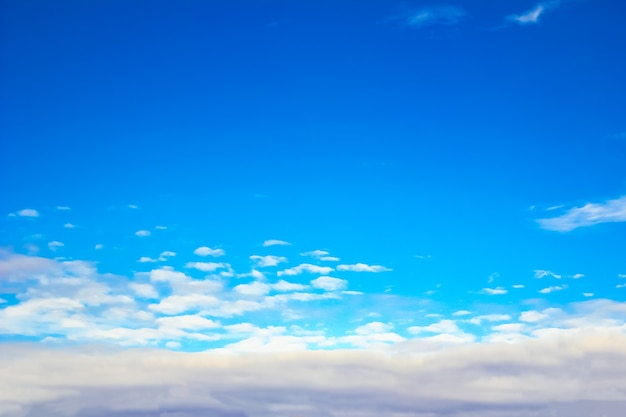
point(166, 254)
point(577, 276)
point(269, 260)
point(69, 226)
point(620, 286)
point(286, 286)
point(443, 326)
point(160, 227)
point(176, 304)
point(145, 259)
point(254, 289)
point(27, 212)
point(98, 246)
point(518, 286)
point(275, 242)
point(621, 275)
point(494, 291)
point(329, 283)
point(541, 273)
point(142, 233)
point(187, 322)
point(63, 208)
point(435, 15)
point(313, 269)
point(532, 316)
point(588, 215)
point(321, 255)
point(588, 294)
point(553, 288)
point(373, 327)
point(54, 245)
point(206, 251)
point(359, 267)
point(461, 313)
point(489, 317)
point(144, 290)
point(206, 266)
point(133, 206)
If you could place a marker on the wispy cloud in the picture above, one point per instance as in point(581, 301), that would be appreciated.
point(434, 15)
point(542, 273)
point(553, 288)
point(360, 267)
point(27, 212)
point(494, 291)
point(206, 251)
point(275, 242)
point(590, 214)
point(532, 16)
point(143, 233)
point(313, 269)
point(268, 260)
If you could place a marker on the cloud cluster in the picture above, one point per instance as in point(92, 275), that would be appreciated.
point(577, 375)
point(590, 214)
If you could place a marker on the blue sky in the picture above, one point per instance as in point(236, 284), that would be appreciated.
point(236, 177)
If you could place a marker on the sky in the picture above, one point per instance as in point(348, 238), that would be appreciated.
point(312, 209)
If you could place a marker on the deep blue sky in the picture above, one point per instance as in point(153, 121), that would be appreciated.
point(427, 138)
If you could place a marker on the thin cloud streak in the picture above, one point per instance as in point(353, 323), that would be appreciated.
point(611, 211)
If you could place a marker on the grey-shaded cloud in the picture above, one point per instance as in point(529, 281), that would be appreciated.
point(575, 374)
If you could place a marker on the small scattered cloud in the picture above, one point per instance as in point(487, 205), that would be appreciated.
point(206, 266)
point(489, 318)
point(160, 227)
point(553, 288)
point(494, 291)
point(542, 273)
point(588, 294)
point(313, 269)
point(69, 226)
point(329, 283)
point(518, 286)
point(531, 17)
point(577, 276)
point(321, 255)
point(360, 267)
point(207, 251)
point(275, 242)
point(269, 260)
point(432, 16)
point(285, 286)
point(133, 206)
point(166, 254)
point(98, 246)
point(620, 286)
point(493, 277)
point(610, 211)
point(461, 313)
point(27, 212)
point(142, 233)
point(145, 259)
point(54, 245)
point(63, 208)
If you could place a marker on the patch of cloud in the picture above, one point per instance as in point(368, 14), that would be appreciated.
point(55, 245)
point(160, 227)
point(63, 208)
point(268, 260)
point(610, 211)
point(207, 251)
point(532, 16)
point(553, 288)
point(286, 286)
point(461, 313)
point(329, 283)
point(142, 233)
point(275, 242)
point(588, 294)
point(542, 273)
point(144, 290)
point(27, 212)
point(431, 16)
point(321, 255)
point(310, 268)
point(69, 226)
point(518, 286)
point(620, 286)
point(360, 267)
point(494, 291)
point(98, 246)
point(145, 259)
point(206, 266)
point(489, 317)
point(166, 254)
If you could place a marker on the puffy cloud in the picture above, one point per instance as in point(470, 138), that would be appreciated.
point(176, 304)
point(321, 255)
point(254, 289)
point(166, 254)
point(285, 286)
point(142, 233)
point(489, 317)
point(443, 326)
point(206, 266)
point(360, 267)
point(268, 260)
point(275, 242)
point(494, 291)
point(553, 288)
point(144, 290)
point(588, 215)
point(54, 245)
point(145, 259)
point(27, 212)
point(187, 322)
point(206, 251)
point(329, 283)
point(313, 269)
point(69, 226)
